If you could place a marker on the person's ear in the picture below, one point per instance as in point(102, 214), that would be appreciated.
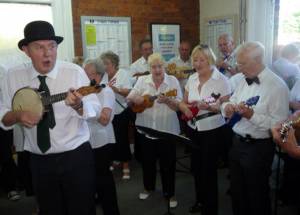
point(26, 50)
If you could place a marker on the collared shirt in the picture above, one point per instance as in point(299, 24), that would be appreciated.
point(286, 70)
point(102, 135)
point(235, 80)
point(216, 84)
point(159, 117)
point(139, 66)
point(71, 129)
point(231, 61)
point(272, 106)
point(122, 81)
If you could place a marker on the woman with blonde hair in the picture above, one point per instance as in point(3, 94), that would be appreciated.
point(200, 90)
point(161, 117)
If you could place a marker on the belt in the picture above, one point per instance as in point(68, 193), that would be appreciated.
point(203, 116)
point(249, 139)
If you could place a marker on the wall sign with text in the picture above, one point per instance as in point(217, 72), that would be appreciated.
point(165, 39)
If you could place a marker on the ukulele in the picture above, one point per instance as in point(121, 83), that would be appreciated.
point(236, 116)
point(138, 74)
point(149, 101)
point(286, 126)
point(30, 99)
point(179, 72)
point(194, 109)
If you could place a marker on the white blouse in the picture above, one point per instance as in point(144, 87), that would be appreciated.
point(102, 135)
point(160, 116)
point(217, 84)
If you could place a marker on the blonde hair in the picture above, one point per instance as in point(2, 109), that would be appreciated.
point(155, 57)
point(206, 51)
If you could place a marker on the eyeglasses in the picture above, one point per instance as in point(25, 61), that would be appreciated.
point(204, 46)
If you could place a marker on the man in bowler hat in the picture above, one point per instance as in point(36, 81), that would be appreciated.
point(61, 157)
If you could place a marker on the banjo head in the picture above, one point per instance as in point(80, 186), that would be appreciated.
point(28, 99)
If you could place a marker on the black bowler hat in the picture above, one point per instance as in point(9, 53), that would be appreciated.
point(38, 30)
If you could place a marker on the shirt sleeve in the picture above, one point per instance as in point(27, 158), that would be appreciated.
point(5, 100)
point(91, 104)
point(277, 109)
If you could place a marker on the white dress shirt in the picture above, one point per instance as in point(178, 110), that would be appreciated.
point(295, 92)
point(272, 106)
point(230, 60)
point(159, 117)
point(216, 84)
point(102, 135)
point(122, 81)
point(235, 80)
point(71, 129)
point(288, 71)
point(139, 66)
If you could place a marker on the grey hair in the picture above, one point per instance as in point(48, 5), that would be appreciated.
point(97, 63)
point(226, 36)
point(290, 50)
point(113, 57)
point(255, 50)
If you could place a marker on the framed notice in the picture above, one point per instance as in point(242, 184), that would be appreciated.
point(165, 39)
point(215, 26)
point(101, 34)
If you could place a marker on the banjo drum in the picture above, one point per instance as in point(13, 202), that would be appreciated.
point(28, 99)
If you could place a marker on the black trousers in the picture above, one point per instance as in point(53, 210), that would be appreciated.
point(7, 164)
point(250, 168)
point(121, 147)
point(105, 184)
point(165, 152)
point(204, 168)
point(24, 171)
point(64, 183)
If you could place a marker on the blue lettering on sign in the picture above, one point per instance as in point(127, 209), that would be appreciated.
point(166, 37)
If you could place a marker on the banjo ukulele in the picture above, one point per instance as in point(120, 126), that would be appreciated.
point(30, 99)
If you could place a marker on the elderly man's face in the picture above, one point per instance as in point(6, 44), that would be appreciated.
point(246, 64)
point(43, 54)
point(146, 50)
point(184, 51)
point(225, 46)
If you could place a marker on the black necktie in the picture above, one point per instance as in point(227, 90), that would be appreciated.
point(48, 120)
point(252, 80)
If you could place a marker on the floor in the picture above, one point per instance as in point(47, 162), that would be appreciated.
point(128, 195)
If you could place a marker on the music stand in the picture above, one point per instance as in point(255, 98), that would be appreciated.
point(167, 136)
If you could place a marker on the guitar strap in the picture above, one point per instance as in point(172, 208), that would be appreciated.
point(203, 116)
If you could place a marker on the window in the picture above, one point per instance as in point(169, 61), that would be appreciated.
point(15, 14)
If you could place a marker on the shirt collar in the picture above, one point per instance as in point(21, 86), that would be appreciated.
point(215, 74)
point(52, 74)
point(149, 80)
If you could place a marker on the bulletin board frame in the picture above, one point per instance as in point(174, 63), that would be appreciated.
point(214, 26)
point(104, 33)
point(165, 38)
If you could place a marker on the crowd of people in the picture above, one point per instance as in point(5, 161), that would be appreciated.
point(67, 151)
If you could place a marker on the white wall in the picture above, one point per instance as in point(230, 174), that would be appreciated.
point(215, 8)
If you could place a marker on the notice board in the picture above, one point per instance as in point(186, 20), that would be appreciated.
point(217, 25)
point(102, 33)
